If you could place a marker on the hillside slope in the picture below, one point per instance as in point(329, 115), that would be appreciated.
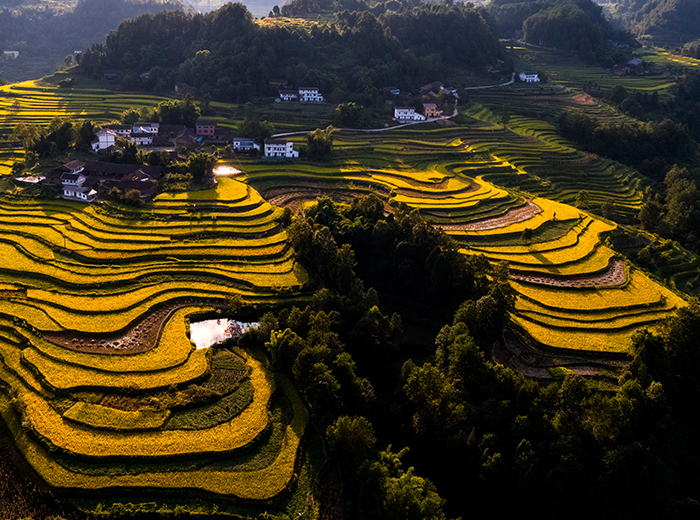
point(46, 31)
point(665, 21)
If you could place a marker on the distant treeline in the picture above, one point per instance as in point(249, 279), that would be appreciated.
point(48, 31)
point(669, 20)
point(227, 54)
point(576, 25)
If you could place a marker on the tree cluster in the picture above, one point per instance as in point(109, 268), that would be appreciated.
point(320, 143)
point(53, 29)
point(672, 20)
point(674, 210)
point(565, 24)
point(171, 112)
point(651, 147)
point(560, 450)
point(226, 54)
point(60, 136)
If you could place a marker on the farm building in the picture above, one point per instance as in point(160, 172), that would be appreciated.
point(205, 127)
point(289, 95)
point(310, 95)
point(121, 130)
point(105, 139)
point(74, 188)
point(10, 55)
point(142, 138)
point(430, 110)
point(280, 148)
point(529, 77)
point(407, 114)
point(303, 94)
point(245, 144)
point(147, 128)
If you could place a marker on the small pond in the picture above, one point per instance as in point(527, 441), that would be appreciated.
point(208, 332)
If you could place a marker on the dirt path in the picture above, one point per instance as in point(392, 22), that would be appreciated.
point(386, 129)
point(512, 216)
point(512, 80)
point(614, 276)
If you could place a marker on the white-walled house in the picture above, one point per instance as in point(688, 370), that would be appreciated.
point(142, 138)
point(407, 114)
point(245, 144)
point(105, 139)
point(145, 128)
point(529, 77)
point(289, 95)
point(310, 95)
point(73, 188)
point(121, 130)
point(280, 148)
point(74, 167)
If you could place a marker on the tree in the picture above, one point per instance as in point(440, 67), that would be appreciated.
point(347, 114)
point(351, 440)
point(608, 208)
point(133, 198)
point(201, 165)
point(320, 142)
point(252, 127)
point(583, 199)
point(129, 116)
point(205, 105)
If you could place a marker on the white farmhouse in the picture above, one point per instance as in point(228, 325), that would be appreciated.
point(145, 128)
point(529, 77)
point(280, 148)
point(310, 95)
point(74, 167)
point(289, 95)
point(407, 114)
point(245, 144)
point(10, 55)
point(105, 139)
point(142, 139)
point(121, 130)
point(73, 188)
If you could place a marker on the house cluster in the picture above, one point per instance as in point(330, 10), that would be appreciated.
point(146, 134)
point(425, 98)
point(302, 94)
point(406, 114)
point(629, 68)
point(271, 147)
point(88, 181)
point(529, 77)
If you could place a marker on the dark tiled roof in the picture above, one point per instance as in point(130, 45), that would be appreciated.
point(74, 165)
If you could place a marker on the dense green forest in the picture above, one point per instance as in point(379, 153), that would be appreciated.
point(469, 426)
point(227, 54)
point(668, 21)
point(52, 30)
point(564, 24)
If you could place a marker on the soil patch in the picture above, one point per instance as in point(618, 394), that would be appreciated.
point(615, 275)
point(512, 216)
point(140, 337)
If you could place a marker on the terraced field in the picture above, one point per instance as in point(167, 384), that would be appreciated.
point(550, 247)
point(101, 386)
